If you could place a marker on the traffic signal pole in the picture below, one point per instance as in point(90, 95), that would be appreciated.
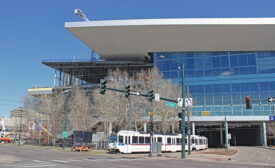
point(188, 132)
point(130, 113)
point(151, 134)
point(183, 117)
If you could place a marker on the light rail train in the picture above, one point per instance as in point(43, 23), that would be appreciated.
point(133, 141)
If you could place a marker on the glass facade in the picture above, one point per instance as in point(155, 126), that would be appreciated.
point(218, 82)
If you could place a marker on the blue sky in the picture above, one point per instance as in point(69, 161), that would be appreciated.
point(33, 30)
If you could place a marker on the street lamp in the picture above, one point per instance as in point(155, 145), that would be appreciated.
point(81, 14)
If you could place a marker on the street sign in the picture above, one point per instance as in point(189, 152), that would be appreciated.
point(170, 104)
point(65, 134)
point(188, 102)
point(271, 118)
point(180, 102)
point(271, 99)
point(228, 136)
point(157, 97)
point(135, 93)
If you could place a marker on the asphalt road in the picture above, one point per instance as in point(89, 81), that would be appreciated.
point(26, 157)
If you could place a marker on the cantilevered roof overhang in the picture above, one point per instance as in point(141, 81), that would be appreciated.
point(134, 39)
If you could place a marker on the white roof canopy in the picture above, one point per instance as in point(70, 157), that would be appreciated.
point(134, 39)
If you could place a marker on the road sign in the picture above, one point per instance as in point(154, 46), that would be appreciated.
point(271, 118)
point(228, 136)
point(188, 102)
point(157, 97)
point(170, 104)
point(180, 102)
point(135, 93)
point(271, 99)
point(65, 134)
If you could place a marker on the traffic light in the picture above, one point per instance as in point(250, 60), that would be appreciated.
point(248, 102)
point(151, 126)
point(150, 94)
point(148, 127)
point(180, 125)
point(127, 91)
point(102, 86)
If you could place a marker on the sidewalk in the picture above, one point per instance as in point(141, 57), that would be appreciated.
point(255, 156)
point(242, 155)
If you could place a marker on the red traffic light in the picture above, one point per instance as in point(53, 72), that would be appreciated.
point(248, 102)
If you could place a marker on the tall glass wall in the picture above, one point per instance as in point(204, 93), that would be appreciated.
point(218, 82)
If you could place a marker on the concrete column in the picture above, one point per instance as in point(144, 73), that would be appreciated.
point(221, 135)
point(264, 135)
point(193, 128)
point(77, 81)
point(173, 127)
point(226, 133)
point(145, 127)
point(54, 80)
point(110, 128)
point(64, 77)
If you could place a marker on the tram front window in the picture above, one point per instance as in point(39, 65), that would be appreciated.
point(193, 140)
point(120, 139)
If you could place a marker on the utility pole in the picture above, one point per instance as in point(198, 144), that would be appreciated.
point(183, 117)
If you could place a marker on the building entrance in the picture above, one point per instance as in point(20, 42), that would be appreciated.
point(241, 135)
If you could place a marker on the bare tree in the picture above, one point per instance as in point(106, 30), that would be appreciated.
point(114, 107)
point(81, 114)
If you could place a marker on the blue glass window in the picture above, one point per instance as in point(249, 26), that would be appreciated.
point(223, 79)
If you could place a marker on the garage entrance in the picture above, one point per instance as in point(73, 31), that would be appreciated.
point(242, 134)
point(245, 136)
